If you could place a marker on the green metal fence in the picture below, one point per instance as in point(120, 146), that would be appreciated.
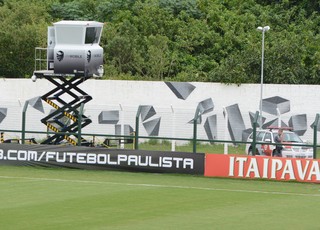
point(136, 139)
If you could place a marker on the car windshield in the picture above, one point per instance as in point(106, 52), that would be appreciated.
point(291, 137)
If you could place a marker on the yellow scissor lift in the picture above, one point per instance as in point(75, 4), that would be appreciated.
point(66, 109)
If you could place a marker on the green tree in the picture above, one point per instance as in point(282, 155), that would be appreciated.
point(23, 26)
point(74, 10)
point(191, 40)
point(157, 56)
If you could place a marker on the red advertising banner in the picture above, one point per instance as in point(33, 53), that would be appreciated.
point(262, 167)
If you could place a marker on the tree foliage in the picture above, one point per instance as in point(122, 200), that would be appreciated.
point(191, 40)
point(23, 26)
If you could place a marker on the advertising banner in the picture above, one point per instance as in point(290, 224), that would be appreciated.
point(262, 167)
point(102, 158)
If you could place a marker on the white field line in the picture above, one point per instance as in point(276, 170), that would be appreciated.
point(161, 186)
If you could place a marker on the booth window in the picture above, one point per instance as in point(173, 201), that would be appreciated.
point(92, 35)
point(70, 35)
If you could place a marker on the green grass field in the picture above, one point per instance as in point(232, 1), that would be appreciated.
point(42, 198)
point(201, 148)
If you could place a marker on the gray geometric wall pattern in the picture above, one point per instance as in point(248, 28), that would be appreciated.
point(210, 126)
point(246, 133)
point(274, 123)
point(3, 113)
point(203, 107)
point(236, 125)
point(318, 125)
point(235, 122)
point(199, 120)
point(127, 130)
point(299, 124)
point(182, 90)
point(271, 104)
point(147, 111)
point(252, 116)
point(36, 103)
point(109, 117)
point(152, 127)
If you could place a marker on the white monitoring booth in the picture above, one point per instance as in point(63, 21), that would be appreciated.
point(73, 49)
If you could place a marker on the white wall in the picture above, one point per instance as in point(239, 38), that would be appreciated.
point(128, 95)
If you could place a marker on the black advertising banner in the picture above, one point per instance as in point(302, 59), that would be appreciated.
point(101, 158)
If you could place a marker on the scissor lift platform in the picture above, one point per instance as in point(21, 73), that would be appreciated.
point(65, 87)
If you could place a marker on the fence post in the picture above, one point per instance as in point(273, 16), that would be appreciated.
point(23, 130)
point(225, 144)
point(254, 133)
point(136, 133)
point(79, 123)
point(195, 120)
point(194, 140)
point(122, 139)
point(173, 130)
point(315, 130)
